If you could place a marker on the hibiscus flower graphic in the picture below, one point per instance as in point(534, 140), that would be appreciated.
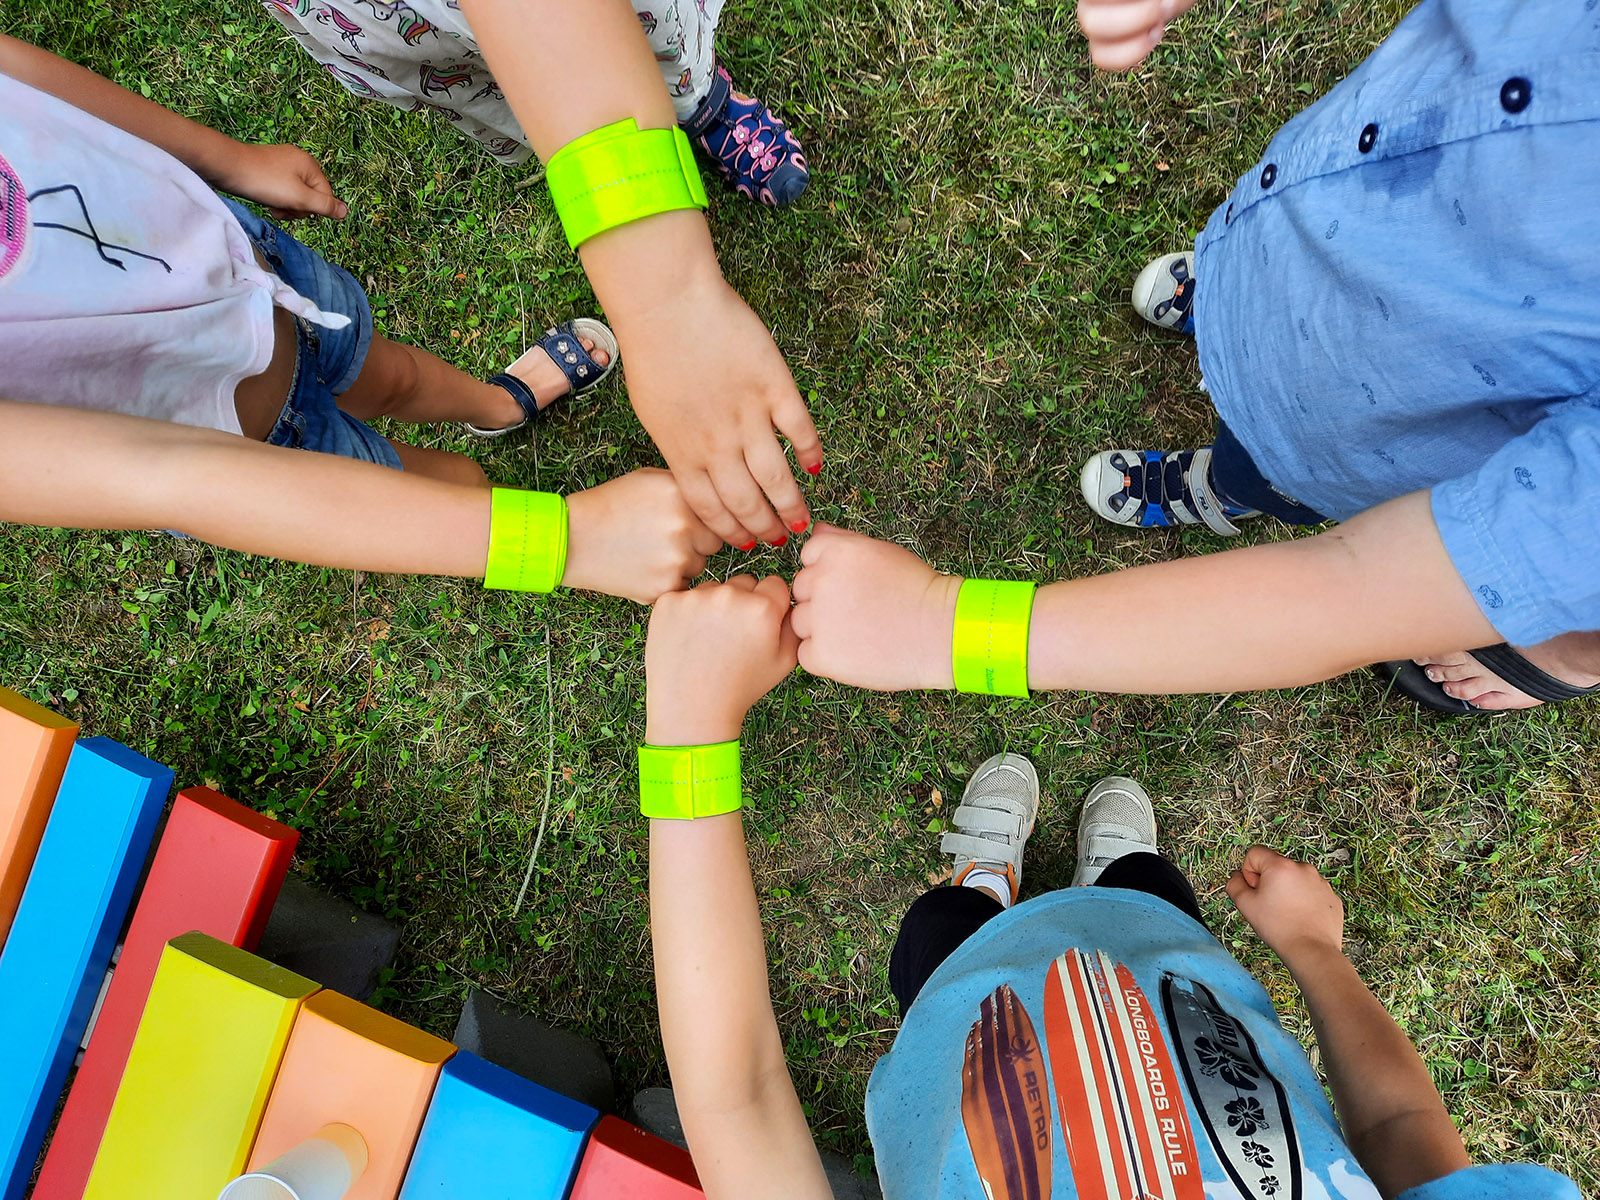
point(1222, 1060)
point(1245, 1115)
point(1258, 1154)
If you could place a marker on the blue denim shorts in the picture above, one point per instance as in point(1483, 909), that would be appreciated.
point(328, 359)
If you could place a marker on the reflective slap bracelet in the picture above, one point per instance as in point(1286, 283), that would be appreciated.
point(527, 541)
point(989, 646)
point(684, 782)
point(619, 174)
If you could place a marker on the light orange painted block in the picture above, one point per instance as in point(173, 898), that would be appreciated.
point(34, 746)
point(199, 1073)
point(349, 1063)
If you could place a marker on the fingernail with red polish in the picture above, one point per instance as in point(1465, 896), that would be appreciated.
point(799, 526)
point(814, 469)
point(748, 547)
point(783, 541)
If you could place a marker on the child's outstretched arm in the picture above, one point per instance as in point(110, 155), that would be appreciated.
point(284, 178)
point(1392, 1114)
point(712, 653)
point(1380, 586)
point(632, 537)
point(704, 375)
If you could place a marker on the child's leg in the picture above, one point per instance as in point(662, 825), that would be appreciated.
point(445, 465)
point(683, 35)
point(409, 384)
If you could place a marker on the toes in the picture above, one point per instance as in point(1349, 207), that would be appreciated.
point(1501, 701)
point(600, 356)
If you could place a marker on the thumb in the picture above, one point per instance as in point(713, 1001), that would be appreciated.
point(319, 197)
point(788, 641)
point(1237, 887)
point(1260, 858)
point(774, 588)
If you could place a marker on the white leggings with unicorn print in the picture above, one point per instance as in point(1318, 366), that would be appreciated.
point(420, 54)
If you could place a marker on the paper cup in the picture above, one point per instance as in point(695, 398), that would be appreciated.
point(323, 1167)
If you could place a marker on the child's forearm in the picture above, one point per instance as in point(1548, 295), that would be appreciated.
point(93, 470)
point(202, 150)
point(567, 71)
point(739, 1109)
point(1391, 1112)
point(1381, 586)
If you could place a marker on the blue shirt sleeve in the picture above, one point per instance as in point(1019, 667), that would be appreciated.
point(1523, 529)
point(1510, 1181)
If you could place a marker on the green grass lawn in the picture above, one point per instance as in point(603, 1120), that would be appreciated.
point(952, 293)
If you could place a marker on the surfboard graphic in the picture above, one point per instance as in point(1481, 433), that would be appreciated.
point(1120, 1101)
point(1244, 1110)
point(1005, 1104)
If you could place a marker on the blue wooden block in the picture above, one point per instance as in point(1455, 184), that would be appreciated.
point(493, 1135)
point(78, 893)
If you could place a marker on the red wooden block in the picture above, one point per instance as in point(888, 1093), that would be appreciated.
point(218, 869)
point(623, 1162)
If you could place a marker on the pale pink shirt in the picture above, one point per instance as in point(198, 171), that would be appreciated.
point(125, 284)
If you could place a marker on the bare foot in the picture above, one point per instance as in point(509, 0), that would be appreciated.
point(1573, 657)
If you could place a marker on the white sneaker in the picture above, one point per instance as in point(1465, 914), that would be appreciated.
point(1117, 819)
point(1163, 294)
point(995, 817)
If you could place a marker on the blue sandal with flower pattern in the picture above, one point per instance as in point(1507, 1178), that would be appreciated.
point(562, 343)
point(750, 145)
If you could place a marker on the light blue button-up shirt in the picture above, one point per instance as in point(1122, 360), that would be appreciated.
point(1404, 293)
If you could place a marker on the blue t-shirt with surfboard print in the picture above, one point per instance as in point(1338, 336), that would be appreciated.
point(1103, 1045)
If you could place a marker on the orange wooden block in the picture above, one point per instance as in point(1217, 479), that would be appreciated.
point(34, 746)
point(351, 1064)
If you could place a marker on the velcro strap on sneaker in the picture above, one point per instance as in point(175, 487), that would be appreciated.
point(978, 849)
point(987, 820)
point(1205, 504)
point(1110, 847)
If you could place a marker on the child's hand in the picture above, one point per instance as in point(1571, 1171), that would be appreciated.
point(1288, 903)
point(286, 180)
point(709, 386)
point(872, 614)
point(635, 537)
point(1122, 33)
point(711, 654)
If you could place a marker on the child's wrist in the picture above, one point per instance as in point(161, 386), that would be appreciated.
point(679, 724)
point(989, 637)
point(527, 549)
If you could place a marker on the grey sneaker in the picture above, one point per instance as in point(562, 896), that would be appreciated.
point(995, 817)
point(1117, 819)
point(1164, 292)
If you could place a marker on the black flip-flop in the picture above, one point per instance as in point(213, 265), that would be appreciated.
point(1411, 681)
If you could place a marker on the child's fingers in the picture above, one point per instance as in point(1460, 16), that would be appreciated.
point(789, 640)
point(804, 584)
point(800, 620)
point(1123, 55)
point(793, 420)
point(702, 497)
point(774, 588)
point(703, 541)
point(770, 467)
point(1236, 886)
point(741, 583)
point(1259, 859)
point(1118, 22)
point(822, 535)
point(739, 490)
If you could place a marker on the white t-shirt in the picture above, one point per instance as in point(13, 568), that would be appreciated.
point(125, 284)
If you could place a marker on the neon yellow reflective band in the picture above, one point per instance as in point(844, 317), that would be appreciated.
point(684, 782)
point(619, 174)
point(527, 541)
point(989, 647)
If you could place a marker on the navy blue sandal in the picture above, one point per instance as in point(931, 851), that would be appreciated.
point(1412, 682)
point(749, 144)
point(565, 349)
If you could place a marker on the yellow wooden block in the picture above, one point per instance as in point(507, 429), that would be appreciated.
point(198, 1076)
point(34, 746)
